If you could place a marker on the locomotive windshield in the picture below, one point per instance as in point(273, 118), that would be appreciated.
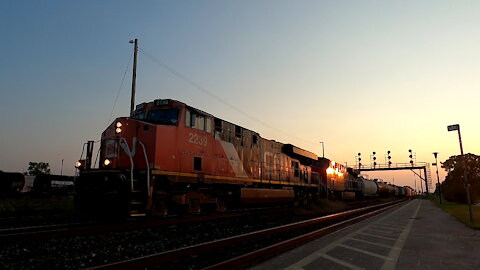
point(163, 117)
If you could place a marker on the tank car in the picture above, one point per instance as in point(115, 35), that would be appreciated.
point(369, 188)
point(170, 156)
point(11, 183)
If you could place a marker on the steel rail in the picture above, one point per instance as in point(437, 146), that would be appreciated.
point(45, 232)
point(270, 251)
point(177, 254)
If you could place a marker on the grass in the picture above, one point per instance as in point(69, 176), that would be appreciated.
point(31, 206)
point(460, 212)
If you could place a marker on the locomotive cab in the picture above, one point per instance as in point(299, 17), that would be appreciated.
point(138, 152)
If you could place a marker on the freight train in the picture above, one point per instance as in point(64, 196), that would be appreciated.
point(168, 156)
point(14, 183)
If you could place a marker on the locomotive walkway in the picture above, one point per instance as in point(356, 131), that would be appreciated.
point(417, 235)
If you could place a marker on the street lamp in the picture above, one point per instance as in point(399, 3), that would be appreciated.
point(323, 149)
point(467, 185)
point(435, 154)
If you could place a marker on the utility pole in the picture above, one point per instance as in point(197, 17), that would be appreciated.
point(323, 149)
point(134, 75)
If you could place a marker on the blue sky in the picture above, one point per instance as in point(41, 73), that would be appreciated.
point(361, 76)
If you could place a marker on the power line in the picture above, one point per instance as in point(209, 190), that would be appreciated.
point(119, 90)
point(209, 93)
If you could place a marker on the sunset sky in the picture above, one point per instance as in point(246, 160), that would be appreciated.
point(360, 76)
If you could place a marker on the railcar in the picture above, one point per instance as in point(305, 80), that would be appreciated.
point(51, 184)
point(11, 183)
point(170, 156)
point(369, 188)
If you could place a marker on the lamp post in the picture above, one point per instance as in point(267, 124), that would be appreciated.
point(467, 185)
point(323, 149)
point(435, 154)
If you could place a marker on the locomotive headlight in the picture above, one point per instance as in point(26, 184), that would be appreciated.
point(107, 162)
point(118, 129)
point(78, 164)
point(330, 170)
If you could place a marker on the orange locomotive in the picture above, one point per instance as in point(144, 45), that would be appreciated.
point(169, 155)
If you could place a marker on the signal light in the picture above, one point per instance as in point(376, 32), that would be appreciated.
point(410, 156)
point(374, 163)
point(411, 162)
point(359, 159)
point(374, 158)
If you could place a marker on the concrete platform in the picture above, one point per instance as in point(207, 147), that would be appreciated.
point(416, 235)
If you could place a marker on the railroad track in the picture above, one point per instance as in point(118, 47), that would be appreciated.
point(29, 221)
point(213, 255)
point(65, 230)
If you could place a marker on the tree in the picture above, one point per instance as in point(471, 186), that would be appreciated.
point(37, 168)
point(453, 188)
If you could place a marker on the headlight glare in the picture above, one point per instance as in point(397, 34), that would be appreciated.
point(107, 162)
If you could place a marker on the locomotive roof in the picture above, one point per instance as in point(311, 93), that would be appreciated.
point(208, 114)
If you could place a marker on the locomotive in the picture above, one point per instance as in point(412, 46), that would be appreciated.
point(168, 156)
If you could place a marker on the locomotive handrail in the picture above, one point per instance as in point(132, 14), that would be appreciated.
point(129, 154)
point(148, 168)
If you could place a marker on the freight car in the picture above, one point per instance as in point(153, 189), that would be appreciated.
point(46, 184)
point(169, 156)
point(369, 188)
point(51, 184)
point(11, 183)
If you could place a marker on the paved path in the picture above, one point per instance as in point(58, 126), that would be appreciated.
point(417, 235)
